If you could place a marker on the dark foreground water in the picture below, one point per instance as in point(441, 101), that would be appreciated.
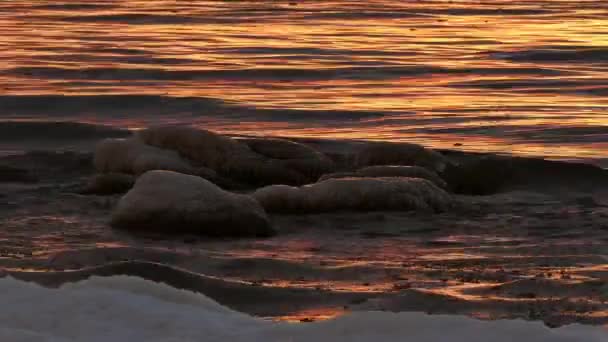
point(523, 77)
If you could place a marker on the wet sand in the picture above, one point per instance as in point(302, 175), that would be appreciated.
point(537, 249)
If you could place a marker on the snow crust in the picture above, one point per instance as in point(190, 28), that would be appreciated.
point(123, 308)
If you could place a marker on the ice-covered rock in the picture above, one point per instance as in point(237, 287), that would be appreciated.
point(204, 148)
point(267, 163)
point(390, 171)
point(400, 154)
point(389, 193)
point(171, 202)
point(299, 157)
point(134, 157)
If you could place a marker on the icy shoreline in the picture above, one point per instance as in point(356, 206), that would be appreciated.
point(533, 246)
point(126, 308)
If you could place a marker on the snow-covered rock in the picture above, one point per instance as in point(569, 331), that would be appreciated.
point(400, 154)
point(202, 147)
point(271, 161)
point(355, 194)
point(134, 157)
point(171, 202)
point(390, 171)
point(292, 155)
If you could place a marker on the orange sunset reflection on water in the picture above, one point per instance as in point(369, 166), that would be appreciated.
point(523, 77)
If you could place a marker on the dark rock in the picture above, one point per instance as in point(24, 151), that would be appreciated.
point(483, 176)
point(109, 184)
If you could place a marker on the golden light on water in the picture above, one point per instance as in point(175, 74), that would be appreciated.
point(358, 56)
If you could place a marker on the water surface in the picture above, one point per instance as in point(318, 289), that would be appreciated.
point(522, 77)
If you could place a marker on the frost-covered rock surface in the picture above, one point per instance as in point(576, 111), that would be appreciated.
point(390, 171)
point(121, 309)
point(307, 161)
point(134, 157)
point(390, 193)
point(172, 202)
point(400, 154)
point(200, 146)
point(271, 161)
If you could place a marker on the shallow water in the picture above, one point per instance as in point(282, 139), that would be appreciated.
point(523, 77)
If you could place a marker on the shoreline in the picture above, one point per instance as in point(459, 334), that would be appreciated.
point(533, 249)
point(16, 133)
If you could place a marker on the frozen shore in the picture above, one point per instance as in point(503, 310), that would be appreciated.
point(122, 308)
point(533, 245)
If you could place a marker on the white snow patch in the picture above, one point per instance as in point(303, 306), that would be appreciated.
point(129, 309)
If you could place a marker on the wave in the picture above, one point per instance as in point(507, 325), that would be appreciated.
point(308, 51)
point(594, 87)
point(72, 7)
point(240, 74)
point(39, 130)
point(471, 11)
point(534, 134)
point(270, 13)
point(114, 58)
point(156, 19)
point(574, 54)
point(277, 74)
point(143, 106)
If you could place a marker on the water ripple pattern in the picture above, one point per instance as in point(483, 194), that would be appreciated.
point(521, 77)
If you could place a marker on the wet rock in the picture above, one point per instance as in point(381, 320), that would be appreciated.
point(171, 202)
point(400, 154)
point(292, 155)
point(390, 171)
point(134, 157)
point(109, 184)
point(481, 176)
point(202, 147)
point(401, 194)
point(235, 160)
